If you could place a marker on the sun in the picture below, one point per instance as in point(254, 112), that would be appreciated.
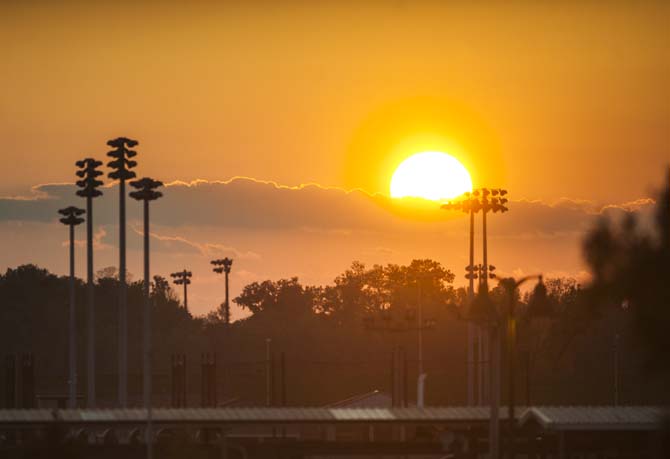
point(430, 175)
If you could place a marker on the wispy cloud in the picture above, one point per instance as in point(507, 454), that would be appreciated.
point(207, 249)
point(98, 243)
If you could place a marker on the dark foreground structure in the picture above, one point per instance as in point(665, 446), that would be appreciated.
point(450, 432)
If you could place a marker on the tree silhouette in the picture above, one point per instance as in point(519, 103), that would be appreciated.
point(631, 268)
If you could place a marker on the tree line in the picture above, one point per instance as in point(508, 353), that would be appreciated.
point(337, 339)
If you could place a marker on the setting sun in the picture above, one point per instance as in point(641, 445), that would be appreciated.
point(430, 175)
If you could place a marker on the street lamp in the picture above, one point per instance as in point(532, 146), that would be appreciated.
point(71, 217)
point(223, 266)
point(183, 278)
point(121, 165)
point(88, 188)
point(146, 192)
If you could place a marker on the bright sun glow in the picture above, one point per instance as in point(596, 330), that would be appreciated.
point(430, 175)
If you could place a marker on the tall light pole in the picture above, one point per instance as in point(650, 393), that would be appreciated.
point(146, 192)
point(470, 205)
point(487, 200)
point(121, 165)
point(268, 375)
point(223, 266)
point(183, 278)
point(88, 188)
point(71, 218)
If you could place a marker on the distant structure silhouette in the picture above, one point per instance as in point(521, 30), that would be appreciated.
point(223, 266)
point(183, 278)
point(71, 218)
point(146, 192)
point(89, 183)
point(121, 165)
point(407, 322)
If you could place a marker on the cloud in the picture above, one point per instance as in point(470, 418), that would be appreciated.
point(206, 249)
point(273, 231)
point(251, 204)
point(98, 243)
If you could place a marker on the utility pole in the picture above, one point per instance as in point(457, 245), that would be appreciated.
point(268, 375)
point(223, 266)
point(121, 165)
point(88, 172)
point(146, 192)
point(616, 369)
point(71, 217)
point(183, 278)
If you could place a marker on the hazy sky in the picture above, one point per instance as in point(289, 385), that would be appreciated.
point(552, 100)
point(563, 98)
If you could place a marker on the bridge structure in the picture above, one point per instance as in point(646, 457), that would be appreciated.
point(439, 432)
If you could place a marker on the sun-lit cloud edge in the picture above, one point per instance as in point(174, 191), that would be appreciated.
point(277, 185)
point(589, 206)
point(204, 248)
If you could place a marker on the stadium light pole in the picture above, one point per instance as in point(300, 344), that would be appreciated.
point(487, 200)
point(121, 165)
point(183, 278)
point(88, 188)
point(146, 192)
point(470, 205)
point(71, 218)
point(223, 266)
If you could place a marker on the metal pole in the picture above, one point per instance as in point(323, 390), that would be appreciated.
point(471, 326)
point(511, 351)
point(494, 428)
point(73, 330)
point(393, 379)
point(123, 306)
point(268, 382)
point(528, 376)
point(91, 304)
point(283, 379)
point(420, 377)
point(420, 329)
point(616, 370)
point(485, 346)
point(404, 403)
point(227, 318)
point(481, 362)
point(485, 279)
point(185, 294)
point(147, 335)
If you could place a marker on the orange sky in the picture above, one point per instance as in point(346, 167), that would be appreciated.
point(550, 101)
point(553, 100)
